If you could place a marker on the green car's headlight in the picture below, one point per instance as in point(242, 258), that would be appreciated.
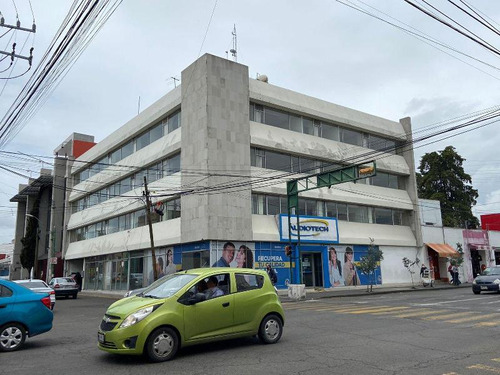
point(137, 316)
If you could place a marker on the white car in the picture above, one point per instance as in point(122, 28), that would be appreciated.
point(39, 286)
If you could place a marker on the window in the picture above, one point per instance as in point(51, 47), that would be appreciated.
point(278, 161)
point(127, 149)
point(258, 204)
point(308, 126)
point(385, 180)
point(173, 208)
point(101, 229)
point(277, 118)
point(113, 225)
point(342, 211)
point(309, 166)
point(352, 137)
point(142, 141)
point(124, 222)
point(257, 157)
point(330, 132)
point(5, 292)
point(174, 121)
point(84, 175)
point(195, 259)
point(397, 217)
point(246, 282)
point(273, 205)
point(115, 156)
point(331, 209)
point(311, 207)
point(284, 205)
point(358, 214)
point(156, 133)
point(296, 123)
point(383, 216)
point(126, 185)
point(172, 165)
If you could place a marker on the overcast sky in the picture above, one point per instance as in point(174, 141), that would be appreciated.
point(320, 48)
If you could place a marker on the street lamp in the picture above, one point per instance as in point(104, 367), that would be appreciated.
point(35, 268)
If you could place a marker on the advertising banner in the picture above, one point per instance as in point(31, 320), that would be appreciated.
point(313, 229)
point(233, 254)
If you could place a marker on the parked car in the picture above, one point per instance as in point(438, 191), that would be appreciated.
point(64, 287)
point(41, 287)
point(488, 280)
point(22, 313)
point(178, 310)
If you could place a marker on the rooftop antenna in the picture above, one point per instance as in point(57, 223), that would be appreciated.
point(234, 50)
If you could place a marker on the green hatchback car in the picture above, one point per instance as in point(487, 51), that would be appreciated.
point(192, 307)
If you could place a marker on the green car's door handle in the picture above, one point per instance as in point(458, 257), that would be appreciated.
point(226, 304)
point(4, 306)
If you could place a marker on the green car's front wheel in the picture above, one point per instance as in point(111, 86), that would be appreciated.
point(271, 329)
point(162, 344)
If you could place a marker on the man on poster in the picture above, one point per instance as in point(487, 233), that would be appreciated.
point(227, 255)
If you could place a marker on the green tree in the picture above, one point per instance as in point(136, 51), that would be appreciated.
point(369, 263)
point(459, 259)
point(442, 177)
point(27, 256)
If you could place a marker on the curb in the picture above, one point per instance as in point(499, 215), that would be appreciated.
point(314, 295)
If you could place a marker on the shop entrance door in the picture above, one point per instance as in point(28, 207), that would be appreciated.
point(312, 270)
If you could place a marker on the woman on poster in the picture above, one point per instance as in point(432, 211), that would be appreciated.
point(350, 272)
point(244, 257)
point(170, 267)
point(336, 278)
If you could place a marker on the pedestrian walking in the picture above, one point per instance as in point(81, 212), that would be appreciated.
point(272, 274)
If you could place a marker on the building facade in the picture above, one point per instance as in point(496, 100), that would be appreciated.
point(216, 153)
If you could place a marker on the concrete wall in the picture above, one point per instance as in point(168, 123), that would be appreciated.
point(215, 139)
point(16, 272)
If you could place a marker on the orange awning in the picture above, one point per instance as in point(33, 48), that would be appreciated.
point(443, 249)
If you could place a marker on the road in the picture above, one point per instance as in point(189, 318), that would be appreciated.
point(450, 332)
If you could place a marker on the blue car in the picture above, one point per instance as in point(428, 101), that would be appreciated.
point(22, 313)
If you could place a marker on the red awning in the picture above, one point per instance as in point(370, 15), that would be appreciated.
point(444, 250)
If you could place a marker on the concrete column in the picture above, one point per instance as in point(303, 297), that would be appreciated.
point(409, 157)
point(15, 270)
point(215, 145)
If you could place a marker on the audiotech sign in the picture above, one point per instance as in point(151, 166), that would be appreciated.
point(313, 229)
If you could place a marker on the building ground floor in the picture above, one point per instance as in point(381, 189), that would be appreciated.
point(315, 265)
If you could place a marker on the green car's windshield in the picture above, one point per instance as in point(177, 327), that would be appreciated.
point(491, 271)
point(167, 286)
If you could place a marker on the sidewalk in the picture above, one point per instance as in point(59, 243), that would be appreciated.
point(351, 291)
point(318, 293)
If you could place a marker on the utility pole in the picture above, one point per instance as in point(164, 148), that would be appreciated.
point(17, 26)
point(150, 224)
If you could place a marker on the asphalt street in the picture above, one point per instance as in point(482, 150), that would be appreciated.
point(450, 332)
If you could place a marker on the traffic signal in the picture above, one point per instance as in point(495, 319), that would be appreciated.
point(288, 251)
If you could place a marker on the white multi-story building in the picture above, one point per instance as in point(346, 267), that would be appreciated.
point(217, 152)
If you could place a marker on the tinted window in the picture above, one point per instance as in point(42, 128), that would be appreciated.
point(34, 284)
point(352, 137)
point(277, 161)
point(277, 118)
point(156, 132)
point(5, 292)
point(383, 216)
point(128, 149)
point(142, 141)
point(174, 121)
point(248, 282)
point(330, 132)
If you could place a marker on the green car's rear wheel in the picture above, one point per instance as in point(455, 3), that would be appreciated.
point(271, 329)
point(162, 344)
